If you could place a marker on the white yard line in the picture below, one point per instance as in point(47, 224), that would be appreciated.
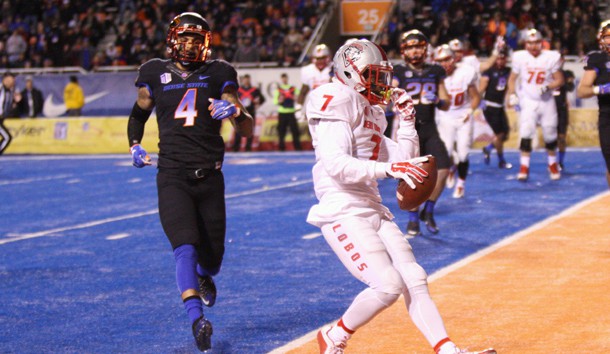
point(21, 237)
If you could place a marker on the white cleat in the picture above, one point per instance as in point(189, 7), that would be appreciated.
point(523, 174)
point(450, 183)
point(327, 346)
point(458, 192)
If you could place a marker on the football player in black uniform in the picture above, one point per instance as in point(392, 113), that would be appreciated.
point(596, 81)
point(493, 87)
point(192, 94)
point(424, 82)
point(563, 113)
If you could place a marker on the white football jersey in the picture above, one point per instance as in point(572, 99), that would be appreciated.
point(312, 77)
point(457, 87)
point(347, 135)
point(472, 61)
point(535, 72)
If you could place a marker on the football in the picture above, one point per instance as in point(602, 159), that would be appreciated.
point(411, 198)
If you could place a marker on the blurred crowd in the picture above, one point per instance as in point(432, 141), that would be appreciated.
point(569, 26)
point(58, 33)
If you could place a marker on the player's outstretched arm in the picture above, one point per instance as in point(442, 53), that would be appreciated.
point(135, 127)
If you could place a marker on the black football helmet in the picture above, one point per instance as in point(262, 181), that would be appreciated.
point(414, 39)
point(604, 31)
point(189, 23)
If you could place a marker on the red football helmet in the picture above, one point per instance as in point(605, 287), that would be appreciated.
point(413, 47)
point(183, 26)
point(603, 36)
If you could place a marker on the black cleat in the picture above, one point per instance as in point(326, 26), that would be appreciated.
point(202, 331)
point(428, 219)
point(486, 155)
point(207, 290)
point(413, 229)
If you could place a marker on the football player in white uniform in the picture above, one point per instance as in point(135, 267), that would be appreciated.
point(347, 124)
point(455, 126)
point(537, 73)
point(317, 73)
point(457, 47)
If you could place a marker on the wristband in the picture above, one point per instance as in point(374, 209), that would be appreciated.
point(440, 103)
point(596, 90)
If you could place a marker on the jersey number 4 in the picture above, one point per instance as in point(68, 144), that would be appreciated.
point(187, 109)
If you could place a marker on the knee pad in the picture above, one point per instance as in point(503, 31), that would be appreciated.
point(386, 298)
point(526, 145)
point(551, 145)
point(413, 274)
point(391, 282)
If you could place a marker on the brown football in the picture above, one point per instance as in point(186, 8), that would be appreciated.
point(411, 198)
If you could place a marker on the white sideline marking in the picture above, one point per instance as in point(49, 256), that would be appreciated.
point(299, 342)
point(117, 236)
point(20, 237)
point(311, 236)
point(34, 179)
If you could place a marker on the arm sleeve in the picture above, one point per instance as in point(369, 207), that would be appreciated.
point(136, 123)
point(334, 149)
point(408, 140)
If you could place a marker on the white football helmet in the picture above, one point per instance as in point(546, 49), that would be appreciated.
point(533, 42)
point(445, 57)
point(456, 45)
point(321, 56)
point(364, 66)
point(320, 51)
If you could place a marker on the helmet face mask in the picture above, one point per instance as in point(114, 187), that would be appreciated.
point(414, 47)
point(603, 36)
point(364, 66)
point(188, 38)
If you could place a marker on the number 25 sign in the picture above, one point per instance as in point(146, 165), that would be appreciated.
point(362, 17)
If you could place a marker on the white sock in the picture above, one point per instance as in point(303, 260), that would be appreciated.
point(338, 335)
point(425, 315)
point(460, 183)
point(525, 161)
point(552, 159)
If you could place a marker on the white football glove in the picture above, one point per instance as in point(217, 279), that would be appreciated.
point(408, 170)
point(543, 89)
point(499, 44)
point(513, 99)
point(466, 116)
point(403, 104)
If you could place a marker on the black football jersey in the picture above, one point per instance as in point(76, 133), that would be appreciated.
point(188, 136)
point(415, 82)
point(496, 87)
point(600, 62)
